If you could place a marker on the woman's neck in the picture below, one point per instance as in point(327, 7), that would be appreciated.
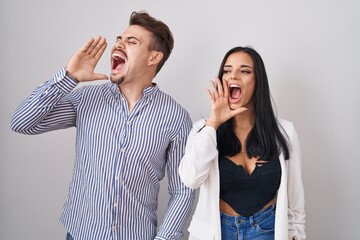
point(243, 124)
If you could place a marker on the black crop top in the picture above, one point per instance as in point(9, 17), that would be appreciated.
point(247, 194)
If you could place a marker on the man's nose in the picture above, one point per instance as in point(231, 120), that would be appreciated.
point(120, 44)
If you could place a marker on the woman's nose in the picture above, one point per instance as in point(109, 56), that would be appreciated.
point(233, 77)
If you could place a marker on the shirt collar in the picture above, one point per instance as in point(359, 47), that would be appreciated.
point(148, 91)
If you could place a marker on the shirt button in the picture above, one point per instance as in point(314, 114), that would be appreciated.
point(128, 122)
point(117, 178)
point(113, 227)
point(123, 149)
point(115, 205)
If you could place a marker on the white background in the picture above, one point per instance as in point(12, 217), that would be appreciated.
point(311, 52)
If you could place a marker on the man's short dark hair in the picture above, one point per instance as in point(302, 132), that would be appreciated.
point(163, 38)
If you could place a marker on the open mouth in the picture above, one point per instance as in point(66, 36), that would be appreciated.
point(235, 92)
point(118, 61)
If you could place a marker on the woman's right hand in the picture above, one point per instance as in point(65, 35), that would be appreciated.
point(220, 109)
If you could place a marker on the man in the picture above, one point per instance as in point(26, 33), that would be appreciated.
point(127, 131)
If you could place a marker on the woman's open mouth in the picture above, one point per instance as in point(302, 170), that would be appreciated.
point(234, 93)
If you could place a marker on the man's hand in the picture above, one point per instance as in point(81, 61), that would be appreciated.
point(220, 110)
point(82, 64)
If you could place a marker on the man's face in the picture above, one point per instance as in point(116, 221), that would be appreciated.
point(130, 54)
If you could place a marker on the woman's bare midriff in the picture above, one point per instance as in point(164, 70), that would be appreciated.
point(226, 208)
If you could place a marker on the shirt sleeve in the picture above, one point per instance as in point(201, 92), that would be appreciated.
point(296, 199)
point(181, 197)
point(201, 150)
point(48, 107)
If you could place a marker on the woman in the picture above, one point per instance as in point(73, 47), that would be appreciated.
point(245, 160)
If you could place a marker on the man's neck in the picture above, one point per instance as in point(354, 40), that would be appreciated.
point(133, 93)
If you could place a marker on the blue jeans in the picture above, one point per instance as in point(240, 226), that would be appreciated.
point(259, 226)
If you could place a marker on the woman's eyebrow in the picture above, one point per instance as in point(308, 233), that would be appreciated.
point(241, 66)
point(244, 66)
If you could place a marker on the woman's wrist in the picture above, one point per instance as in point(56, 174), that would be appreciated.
point(211, 123)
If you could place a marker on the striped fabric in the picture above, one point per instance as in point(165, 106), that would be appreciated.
point(120, 157)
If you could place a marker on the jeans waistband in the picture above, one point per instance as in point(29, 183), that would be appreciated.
point(255, 218)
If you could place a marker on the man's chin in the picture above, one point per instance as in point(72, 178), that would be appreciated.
point(117, 79)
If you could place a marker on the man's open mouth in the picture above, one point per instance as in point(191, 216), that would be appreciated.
point(118, 61)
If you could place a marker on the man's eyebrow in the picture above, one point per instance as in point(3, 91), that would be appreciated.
point(132, 37)
point(128, 38)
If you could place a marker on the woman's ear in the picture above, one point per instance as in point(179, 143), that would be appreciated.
point(155, 58)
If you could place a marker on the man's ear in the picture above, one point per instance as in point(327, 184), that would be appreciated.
point(155, 58)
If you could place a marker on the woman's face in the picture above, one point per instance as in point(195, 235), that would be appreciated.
point(240, 74)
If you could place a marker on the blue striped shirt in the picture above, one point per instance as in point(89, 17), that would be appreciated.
point(120, 157)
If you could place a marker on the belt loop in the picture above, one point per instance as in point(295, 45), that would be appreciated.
point(237, 221)
point(252, 223)
point(251, 220)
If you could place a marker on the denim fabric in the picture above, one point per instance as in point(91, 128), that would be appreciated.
point(259, 226)
point(69, 237)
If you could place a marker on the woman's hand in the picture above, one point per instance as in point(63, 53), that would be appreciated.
point(82, 64)
point(220, 110)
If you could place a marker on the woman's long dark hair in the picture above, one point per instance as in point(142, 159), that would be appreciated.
point(265, 140)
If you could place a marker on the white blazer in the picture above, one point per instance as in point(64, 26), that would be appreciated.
point(199, 168)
